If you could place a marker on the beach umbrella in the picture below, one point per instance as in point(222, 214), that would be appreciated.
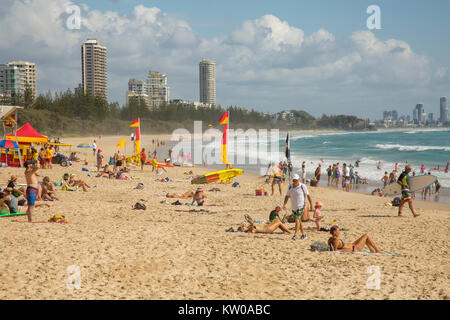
point(8, 144)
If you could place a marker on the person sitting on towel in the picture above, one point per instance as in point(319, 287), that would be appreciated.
point(199, 199)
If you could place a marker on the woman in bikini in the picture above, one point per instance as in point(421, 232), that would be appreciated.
point(185, 195)
point(337, 244)
point(48, 190)
point(263, 228)
point(199, 198)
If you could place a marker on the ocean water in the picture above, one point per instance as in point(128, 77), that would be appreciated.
point(428, 147)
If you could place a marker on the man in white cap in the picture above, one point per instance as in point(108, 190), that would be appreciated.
point(297, 192)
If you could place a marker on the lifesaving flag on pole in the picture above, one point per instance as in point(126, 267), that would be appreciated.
point(135, 124)
point(223, 148)
point(288, 147)
point(224, 118)
point(137, 139)
point(121, 143)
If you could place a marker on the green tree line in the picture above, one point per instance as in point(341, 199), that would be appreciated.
point(67, 113)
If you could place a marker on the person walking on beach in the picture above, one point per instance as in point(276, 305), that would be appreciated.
point(143, 158)
point(337, 174)
point(276, 173)
point(298, 193)
point(317, 174)
point(32, 187)
point(329, 173)
point(385, 179)
point(406, 193)
point(346, 178)
point(99, 159)
point(94, 147)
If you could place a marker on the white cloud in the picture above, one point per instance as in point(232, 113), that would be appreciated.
point(266, 63)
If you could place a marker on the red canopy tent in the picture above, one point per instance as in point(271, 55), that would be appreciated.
point(25, 136)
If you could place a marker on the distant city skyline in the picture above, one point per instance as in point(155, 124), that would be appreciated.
point(316, 57)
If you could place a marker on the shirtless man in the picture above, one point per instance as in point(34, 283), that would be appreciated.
point(32, 187)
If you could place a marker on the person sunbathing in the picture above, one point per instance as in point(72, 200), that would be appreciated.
point(336, 244)
point(185, 195)
point(106, 173)
point(48, 190)
point(199, 199)
point(263, 228)
point(78, 183)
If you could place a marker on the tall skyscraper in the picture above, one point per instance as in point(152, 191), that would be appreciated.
point(18, 76)
point(156, 88)
point(207, 70)
point(137, 89)
point(93, 68)
point(419, 113)
point(443, 110)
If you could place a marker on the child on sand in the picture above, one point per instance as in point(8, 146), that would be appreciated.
point(99, 159)
point(317, 216)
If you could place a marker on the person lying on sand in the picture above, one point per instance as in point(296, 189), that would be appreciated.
point(48, 190)
point(185, 195)
point(78, 183)
point(263, 228)
point(336, 244)
point(199, 198)
point(106, 173)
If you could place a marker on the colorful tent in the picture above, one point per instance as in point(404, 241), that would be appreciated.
point(27, 134)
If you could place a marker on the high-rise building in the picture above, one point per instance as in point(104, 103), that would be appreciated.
point(156, 88)
point(419, 114)
point(430, 117)
point(93, 68)
point(390, 115)
point(136, 86)
point(18, 76)
point(443, 110)
point(207, 77)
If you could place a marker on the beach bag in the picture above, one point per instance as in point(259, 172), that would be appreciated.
point(236, 184)
point(140, 186)
point(139, 206)
point(396, 202)
point(57, 219)
point(320, 246)
point(313, 183)
point(260, 192)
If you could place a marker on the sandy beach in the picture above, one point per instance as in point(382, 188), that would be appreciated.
point(160, 253)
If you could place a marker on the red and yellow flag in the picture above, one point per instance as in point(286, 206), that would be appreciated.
point(223, 147)
point(224, 118)
point(135, 124)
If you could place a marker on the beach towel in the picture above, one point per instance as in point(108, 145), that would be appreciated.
point(367, 252)
point(66, 187)
point(12, 214)
point(193, 210)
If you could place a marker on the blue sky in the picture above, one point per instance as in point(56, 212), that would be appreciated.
point(316, 56)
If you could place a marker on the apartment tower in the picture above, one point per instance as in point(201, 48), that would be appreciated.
point(207, 70)
point(93, 68)
point(18, 76)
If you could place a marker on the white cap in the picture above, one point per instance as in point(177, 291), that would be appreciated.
point(295, 177)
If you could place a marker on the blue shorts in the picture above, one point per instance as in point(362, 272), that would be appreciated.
point(31, 195)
